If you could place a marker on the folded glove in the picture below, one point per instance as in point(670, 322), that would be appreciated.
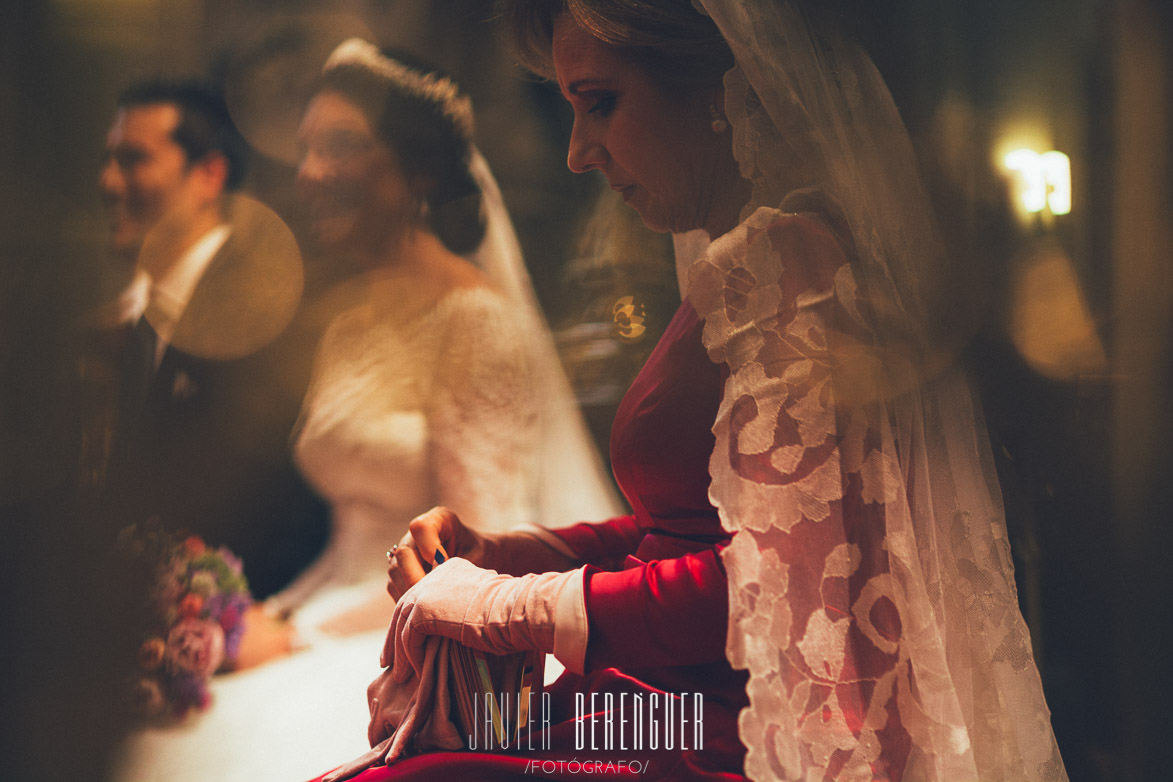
point(485, 610)
point(407, 717)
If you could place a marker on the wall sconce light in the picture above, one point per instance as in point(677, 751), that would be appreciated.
point(1043, 180)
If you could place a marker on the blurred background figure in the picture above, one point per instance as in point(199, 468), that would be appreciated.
point(438, 382)
point(435, 382)
point(202, 383)
point(1084, 456)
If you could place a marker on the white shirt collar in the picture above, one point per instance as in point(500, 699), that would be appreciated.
point(172, 291)
point(129, 305)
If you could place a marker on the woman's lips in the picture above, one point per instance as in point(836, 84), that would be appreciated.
point(624, 190)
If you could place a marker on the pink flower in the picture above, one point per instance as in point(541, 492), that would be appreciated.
point(195, 646)
point(150, 654)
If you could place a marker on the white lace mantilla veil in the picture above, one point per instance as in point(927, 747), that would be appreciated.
point(572, 482)
point(870, 582)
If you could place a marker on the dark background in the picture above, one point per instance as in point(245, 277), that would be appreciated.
point(1084, 445)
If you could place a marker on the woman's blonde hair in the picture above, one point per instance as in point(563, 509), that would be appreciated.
point(670, 38)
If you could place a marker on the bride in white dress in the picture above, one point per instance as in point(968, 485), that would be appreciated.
point(437, 385)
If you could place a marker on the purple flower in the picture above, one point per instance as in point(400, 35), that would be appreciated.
point(232, 620)
point(214, 607)
point(231, 560)
point(188, 691)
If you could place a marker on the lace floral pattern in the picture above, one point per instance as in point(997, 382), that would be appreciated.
point(877, 616)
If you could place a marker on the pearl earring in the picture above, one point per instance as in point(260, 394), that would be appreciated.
point(719, 124)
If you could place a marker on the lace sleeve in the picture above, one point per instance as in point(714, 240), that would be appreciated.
point(870, 586)
point(482, 419)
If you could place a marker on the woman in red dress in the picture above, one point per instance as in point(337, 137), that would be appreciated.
point(817, 546)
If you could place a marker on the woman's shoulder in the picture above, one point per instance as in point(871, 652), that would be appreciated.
point(782, 251)
point(472, 303)
point(457, 288)
point(479, 323)
point(806, 220)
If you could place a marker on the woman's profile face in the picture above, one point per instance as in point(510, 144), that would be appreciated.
point(655, 147)
point(351, 181)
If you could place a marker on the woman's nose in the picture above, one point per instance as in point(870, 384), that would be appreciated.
point(585, 152)
point(311, 169)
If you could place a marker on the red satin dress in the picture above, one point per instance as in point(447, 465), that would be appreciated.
point(656, 604)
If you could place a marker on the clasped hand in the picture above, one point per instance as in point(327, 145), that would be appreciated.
point(439, 531)
point(475, 606)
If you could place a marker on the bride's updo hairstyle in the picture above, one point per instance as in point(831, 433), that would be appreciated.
point(424, 118)
point(675, 43)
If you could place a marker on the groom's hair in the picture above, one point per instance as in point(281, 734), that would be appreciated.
point(205, 124)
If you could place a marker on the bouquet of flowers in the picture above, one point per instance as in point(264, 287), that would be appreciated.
point(192, 618)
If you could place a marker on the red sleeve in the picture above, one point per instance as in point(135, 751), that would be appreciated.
point(661, 613)
point(605, 544)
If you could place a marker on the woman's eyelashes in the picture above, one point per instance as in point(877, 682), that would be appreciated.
point(348, 145)
point(603, 105)
point(337, 146)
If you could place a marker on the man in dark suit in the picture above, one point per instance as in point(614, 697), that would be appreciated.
point(210, 361)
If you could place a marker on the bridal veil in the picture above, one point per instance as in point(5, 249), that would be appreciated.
point(572, 481)
point(911, 646)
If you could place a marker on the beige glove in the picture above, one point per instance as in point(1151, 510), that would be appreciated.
point(480, 608)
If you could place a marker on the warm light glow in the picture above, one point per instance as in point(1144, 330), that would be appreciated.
point(1057, 173)
point(1050, 322)
point(1044, 181)
point(1032, 189)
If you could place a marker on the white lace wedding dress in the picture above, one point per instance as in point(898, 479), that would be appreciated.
point(402, 414)
point(407, 413)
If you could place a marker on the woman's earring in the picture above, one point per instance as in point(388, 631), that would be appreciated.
point(719, 124)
